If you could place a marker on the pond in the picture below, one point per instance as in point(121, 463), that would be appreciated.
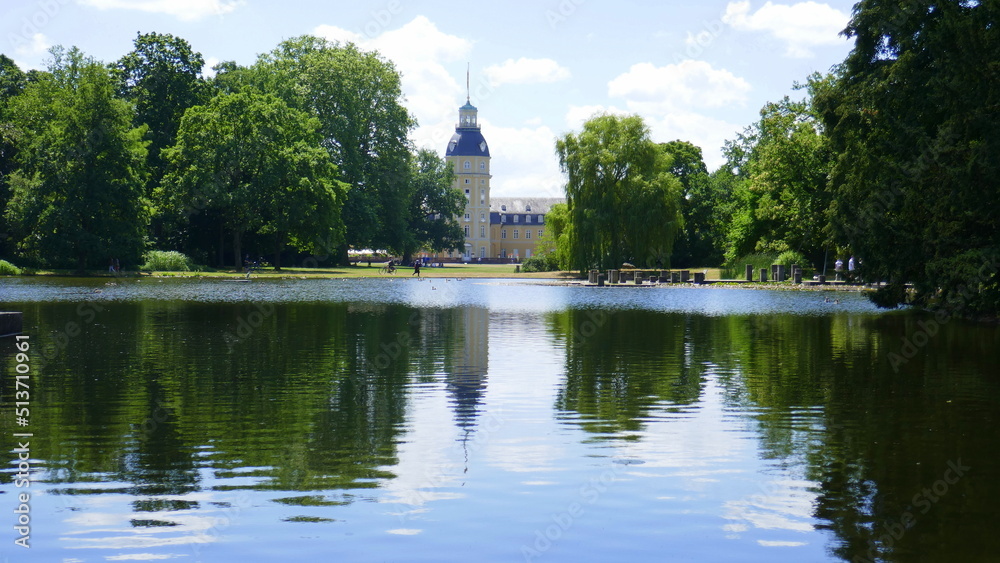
point(494, 420)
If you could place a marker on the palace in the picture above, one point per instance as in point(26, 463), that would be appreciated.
point(500, 229)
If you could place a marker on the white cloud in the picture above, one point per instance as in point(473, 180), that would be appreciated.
point(800, 26)
point(207, 71)
point(185, 10)
point(36, 45)
point(526, 71)
point(523, 161)
point(685, 84)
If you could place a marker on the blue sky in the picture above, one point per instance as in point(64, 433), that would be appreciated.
point(696, 71)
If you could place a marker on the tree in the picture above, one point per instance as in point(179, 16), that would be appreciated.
point(912, 117)
point(702, 238)
point(162, 77)
point(556, 240)
point(623, 201)
point(357, 97)
point(77, 195)
point(782, 162)
point(434, 205)
point(257, 165)
point(12, 82)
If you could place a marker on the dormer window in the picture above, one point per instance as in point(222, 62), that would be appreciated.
point(516, 217)
point(528, 208)
point(527, 218)
point(503, 208)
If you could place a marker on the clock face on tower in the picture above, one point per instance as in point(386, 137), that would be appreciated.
point(482, 146)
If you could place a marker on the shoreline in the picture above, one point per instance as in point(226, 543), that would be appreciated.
point(466, 271)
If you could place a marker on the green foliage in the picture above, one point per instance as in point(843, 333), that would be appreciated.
point(554, 245)
point(434, 206)
point(541, 263)
point(167, 261)
point(76, 197)
point(790, 257)
point(702, 239)
point(258, 165)
point(623, 201)
point(736, 269)
point(8, 269)
point(912, 117)
point(781, 166)
point(357, 98)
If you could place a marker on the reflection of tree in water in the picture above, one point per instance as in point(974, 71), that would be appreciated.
point(875, 440)
point(619, 365)
point(823, 397)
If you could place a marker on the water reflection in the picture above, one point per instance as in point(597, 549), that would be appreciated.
point(173, 426)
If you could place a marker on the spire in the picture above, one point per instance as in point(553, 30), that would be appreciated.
point(468, 91)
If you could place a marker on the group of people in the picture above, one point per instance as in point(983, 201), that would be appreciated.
point(838, 267)
point(114, 267)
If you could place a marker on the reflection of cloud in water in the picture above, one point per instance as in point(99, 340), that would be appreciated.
point(519, 456)
point(788, 506)
point(404, 532)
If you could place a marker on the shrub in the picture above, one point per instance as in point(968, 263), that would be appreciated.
point(8, 269)
point(736, 269)
point(789, 257)
point(541, 263)
point(167, 261)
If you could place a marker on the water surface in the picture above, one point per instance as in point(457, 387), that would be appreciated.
point(495, 420)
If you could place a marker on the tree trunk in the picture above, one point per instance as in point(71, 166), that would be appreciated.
point(221, 260)
point(237, 250)
point(277, 255)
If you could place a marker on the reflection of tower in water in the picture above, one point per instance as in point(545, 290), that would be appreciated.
point(467, 364)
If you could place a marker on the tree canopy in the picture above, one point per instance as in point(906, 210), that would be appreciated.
point(912, 120)
point(77, 194)
point(623, 201)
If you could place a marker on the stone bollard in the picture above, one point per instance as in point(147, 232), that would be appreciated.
point(593, 277)
point(781, 274)
point(614, 276)
point(749, 272)
point(517, 269)
point(797, 275)
point(685, 276)
point(600, 280)
point(675, 277)
point(638, 278)
point(763, 275)
point(664, 278)
point(822, 279)
point(699, 277)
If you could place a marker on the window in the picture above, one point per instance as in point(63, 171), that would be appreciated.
point(541, 233)
point(527, 233)
point(516, 233)
point(541, 218)
point(482, 232)
point(467, 181)
point(527, 208)
point(482, 166)
point(468, 165)
point(503, 208)
point(503, 233)
point(466, 230)
point(527, 218)
point(503, 218)
point(482, 217)
point(482, 182)
point(467, 217)
point(482, 197)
